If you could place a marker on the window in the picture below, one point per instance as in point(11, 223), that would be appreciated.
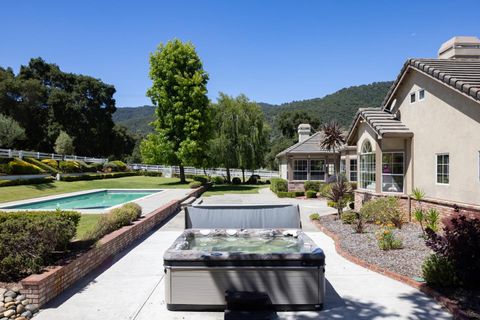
point(421, 94)
point(331, 169)
point(353, 169)
point(300, 169)
point(393, 172)
point(317, 170)
point(367, 167)
point(443, 163)
point(343, 168)
point(412, 97)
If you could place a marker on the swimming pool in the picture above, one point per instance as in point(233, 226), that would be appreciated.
point(95, 200)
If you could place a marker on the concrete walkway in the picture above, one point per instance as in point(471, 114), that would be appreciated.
point(132, 286)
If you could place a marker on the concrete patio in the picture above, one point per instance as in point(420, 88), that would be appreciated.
point(132, 285)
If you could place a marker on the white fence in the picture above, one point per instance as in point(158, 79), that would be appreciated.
point(10, 153)
point(168, 171)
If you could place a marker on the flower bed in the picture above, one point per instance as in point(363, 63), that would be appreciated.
point(407, 261)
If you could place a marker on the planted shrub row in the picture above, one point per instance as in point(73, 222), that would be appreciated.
point(115, 219)
point(98, 176)
point(28, 240)
point(18, 182)
point(278, 185)
point(17, 166)
point(42, 165)
point(195, 184)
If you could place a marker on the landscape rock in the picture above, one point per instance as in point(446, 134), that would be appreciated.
point(10, 293)
point(20, 297)
point(27, 314)
point(7, 299)
point(20, 308)
point(25, 302)
point(21, 318)
point(9, 313)
point(2, 291)
point(31, 307)
point(9, 304)
point(2, 310)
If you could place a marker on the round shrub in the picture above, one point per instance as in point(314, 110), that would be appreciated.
point(236, 180)
point(121, 166)
point(279, 185)
point(311, 194)
point(195, 184)
point(95, 167)
point(348, 217)
point(252, 180)
point(18, 166)
point(439, 271)
point(325, 189)
point(51, 162)
point(45, 167)
point(202, 179)
point(312, 185)
point(314, 216)
point(70, 166)
point(218, 180)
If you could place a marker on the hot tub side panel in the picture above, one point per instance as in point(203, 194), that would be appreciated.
point(289, 288)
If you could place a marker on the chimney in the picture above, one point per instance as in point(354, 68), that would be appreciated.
point(304, 130)
point(460, 47)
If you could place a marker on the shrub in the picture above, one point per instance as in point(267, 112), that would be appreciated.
point(28, 239)
point(97, 176)
point(202, 179)
point(45, 167)
point(195, 184)
point(311, 194)
point(387, 240)
point(432, 219)
point(64, 144)
point(253, 179)
point(70, 166)
point(150, 173)
point(236, 180)
point(278, 185)
point(18, 166)
point(340, 193)
point(359, 223)
point(439, 271)
point(385, 210)
point(460, 244)
point(18, 182)
point(218, 180)
point(286, 194)
point(314, 216)
point(312, 185)
point(348, 217)
point(299, 193)
point(51, 162)
point(115, 166)
point(115, 219)
point(353, 185)
point(121, 166)
point(95, 167)
point(325, 189)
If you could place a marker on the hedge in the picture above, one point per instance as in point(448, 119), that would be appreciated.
point(150, 173)
point(115, 166)
point(195, 184)
point(201, 178)
point(51, 162)
point(17, 166)
point(313, 185)
point(44, 166)
point(285, 194)
point(70, 166)
point(98, 176)
point(278, 185)
point(29, 239)
point(311, 194)
point(18, 182)
point(114, 220)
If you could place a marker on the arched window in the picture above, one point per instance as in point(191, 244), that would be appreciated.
point(367, 166)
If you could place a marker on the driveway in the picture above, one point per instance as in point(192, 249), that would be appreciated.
point(132, 286)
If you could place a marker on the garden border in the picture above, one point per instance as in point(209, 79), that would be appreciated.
point(446, 302)
point(41, 288)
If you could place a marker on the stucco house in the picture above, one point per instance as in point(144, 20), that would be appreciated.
point(425, 135)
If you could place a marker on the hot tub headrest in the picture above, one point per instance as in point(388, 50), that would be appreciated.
point(233, 216)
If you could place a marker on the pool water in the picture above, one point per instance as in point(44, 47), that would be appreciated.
point(256, 245)
point(93, 200)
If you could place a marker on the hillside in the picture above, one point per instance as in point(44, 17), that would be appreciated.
point(341, 105)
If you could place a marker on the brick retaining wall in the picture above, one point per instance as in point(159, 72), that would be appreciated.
point(41, 288)
point(445, 208)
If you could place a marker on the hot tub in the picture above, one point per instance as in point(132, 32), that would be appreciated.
point(203, 264)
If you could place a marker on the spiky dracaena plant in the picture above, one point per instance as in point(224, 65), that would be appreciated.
point(340, 193)
point(333, 138)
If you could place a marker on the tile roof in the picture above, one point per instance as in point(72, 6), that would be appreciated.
point(382, 122)
point(309, 145)
point(460, 74)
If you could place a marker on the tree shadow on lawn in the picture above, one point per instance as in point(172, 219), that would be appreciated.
point(42, 186)
point(233, 188)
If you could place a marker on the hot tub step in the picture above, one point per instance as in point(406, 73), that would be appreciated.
point(257, 315)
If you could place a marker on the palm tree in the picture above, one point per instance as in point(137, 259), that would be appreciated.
point(333, 139)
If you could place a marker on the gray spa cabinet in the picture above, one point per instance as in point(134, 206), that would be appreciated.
point(202, 265)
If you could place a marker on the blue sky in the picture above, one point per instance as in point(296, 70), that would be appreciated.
point(272, 51)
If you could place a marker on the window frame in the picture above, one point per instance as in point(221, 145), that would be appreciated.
point(414, 95)
point(295, 170)
point(353, 171)
point(395, 174)
point(309, 175)
point(359, 174)
point(424, 94)
point(436, 168)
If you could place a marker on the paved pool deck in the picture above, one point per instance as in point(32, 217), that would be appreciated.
point(132, 286)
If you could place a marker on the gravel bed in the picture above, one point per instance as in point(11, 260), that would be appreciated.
point(407, 261)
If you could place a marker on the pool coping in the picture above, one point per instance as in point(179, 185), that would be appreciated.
point(77, 193)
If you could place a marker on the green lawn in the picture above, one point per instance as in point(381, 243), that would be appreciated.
point(87, 222)
point(40, 190)
point(228, 188)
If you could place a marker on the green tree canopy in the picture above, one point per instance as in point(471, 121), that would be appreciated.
point(45, 100)
point(287, 122)
point(10, 131)
point(182, 116)
point(64, 144)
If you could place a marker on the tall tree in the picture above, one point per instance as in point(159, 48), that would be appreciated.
point(10, 131)
point(182, 115)
point(333, 139)
point(241, 135)
point(64, 144)
point(287, 122)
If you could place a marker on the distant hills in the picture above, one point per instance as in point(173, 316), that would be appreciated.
point(341, 105)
